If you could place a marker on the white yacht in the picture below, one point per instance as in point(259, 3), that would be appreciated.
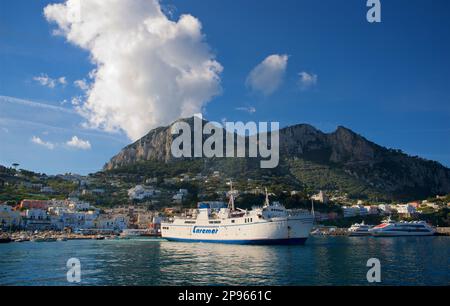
point(359, 229)
point(413, 228)
point(270, 224)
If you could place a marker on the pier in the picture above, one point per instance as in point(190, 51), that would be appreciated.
point(443, 231)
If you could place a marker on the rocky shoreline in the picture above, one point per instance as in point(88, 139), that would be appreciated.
point(48, 236)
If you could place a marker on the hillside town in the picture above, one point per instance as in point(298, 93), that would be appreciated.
point(111, 204)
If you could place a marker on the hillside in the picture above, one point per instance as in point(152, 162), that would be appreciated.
point(341, 161)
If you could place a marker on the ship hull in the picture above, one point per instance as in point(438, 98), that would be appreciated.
point(359, 234)
point(279, 231)
point(288, 241)
point(400, 234)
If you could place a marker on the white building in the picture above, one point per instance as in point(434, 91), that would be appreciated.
point(78, 205)
point(385, 208)
point(406, 209)
point(36, 214)
point(37, 219)
point(140, 192)
point(8, 217)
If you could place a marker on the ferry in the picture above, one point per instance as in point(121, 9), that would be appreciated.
point(359, 229)
point(392, 228)
point(270, 224)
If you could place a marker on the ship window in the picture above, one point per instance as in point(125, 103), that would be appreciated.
point(232, 221)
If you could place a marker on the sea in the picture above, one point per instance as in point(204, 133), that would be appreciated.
point(321, 261)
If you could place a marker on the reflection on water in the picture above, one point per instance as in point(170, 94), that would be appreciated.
point(322, 261)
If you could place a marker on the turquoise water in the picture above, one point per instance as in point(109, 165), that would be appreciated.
point(321, 261)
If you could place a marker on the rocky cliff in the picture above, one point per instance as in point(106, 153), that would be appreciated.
point(324, 160)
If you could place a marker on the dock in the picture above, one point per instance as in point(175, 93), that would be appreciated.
point(443, 231)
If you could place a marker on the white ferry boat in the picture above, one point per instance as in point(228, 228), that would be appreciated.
point(270, 224)
point(392, 228)
point(359, 229)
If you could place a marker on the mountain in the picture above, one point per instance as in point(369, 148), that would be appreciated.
point(342, 160)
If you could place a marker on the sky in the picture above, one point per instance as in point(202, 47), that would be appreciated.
point(81, 80)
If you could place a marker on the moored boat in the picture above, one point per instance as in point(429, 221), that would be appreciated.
point(270, 224)
point(391, 228)
point(359, 229)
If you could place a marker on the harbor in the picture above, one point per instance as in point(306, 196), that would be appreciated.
point(329, 260)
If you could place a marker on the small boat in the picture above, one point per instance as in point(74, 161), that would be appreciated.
point(22, 239)
point(359, 229)
point(391, 228)
point(62, 239)
point(317, 232)
point(133, 233)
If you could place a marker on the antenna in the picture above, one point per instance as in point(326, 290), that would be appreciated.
point(267, 203)
point(231, 202)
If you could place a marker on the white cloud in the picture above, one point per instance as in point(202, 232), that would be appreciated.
point(12, 100)
point(267, 76)
point(62, 81)
point(81, 84)
point(49, 82)
point(307, 80)
point(76, 101)
point(149, 70)
point(79, 143)
point(249, 109)
point(39, 141)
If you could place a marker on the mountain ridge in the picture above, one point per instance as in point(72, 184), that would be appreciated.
point(342, 155)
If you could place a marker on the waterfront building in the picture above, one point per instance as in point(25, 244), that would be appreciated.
point(9, 218)
point(37, 219)
point(406, 209)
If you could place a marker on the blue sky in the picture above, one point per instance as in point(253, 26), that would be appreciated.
point(387, 81)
